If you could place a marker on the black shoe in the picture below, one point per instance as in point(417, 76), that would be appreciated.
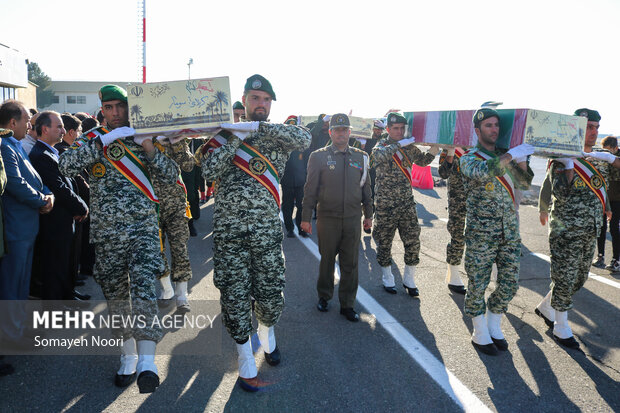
point(6, 369)
point(547, 321)
point(77, 303)
point(390, 290)
point(273, 358)
point(82, 277)
point(599, 262)
point(367, 230)
point(192, 229)
point(501, 344)
point(166, 302)
point(350, 314)
point(458, 289)
point(124, 380)
point(303, 234)
point(251, 385)
point(79, 283)
point(567, 342)
point(489, 349)
point(412, 291)
point(86, 271)
point(290, 234)
point(322, 305)
point(148, 381)
point(81, 296)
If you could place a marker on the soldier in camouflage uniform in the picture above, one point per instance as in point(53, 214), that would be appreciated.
point(247, 233)
point(394, 204)
point(576, 219)
point(124, 228)
point(449, 169)
point(492, 235)
point(173, 217)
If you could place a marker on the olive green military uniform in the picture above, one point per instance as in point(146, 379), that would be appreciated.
point(394, 203)
point(456, 208)
point(492, 230)
point(339, 185)
point(247, 233)
point(173, 213)
point(124, 230)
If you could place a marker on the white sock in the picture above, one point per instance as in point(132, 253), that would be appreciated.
point(387, 277)
point(408, 276)
point(166, 288)
point(481, 330)
point(561, 328)
point(129, 357)
point(545, 307)
point(146, 356)
point(267, 338)
point(247, 364)
point(180, 290)
point(494, 322)
point(453, 277)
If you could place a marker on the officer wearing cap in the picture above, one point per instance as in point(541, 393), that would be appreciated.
point(578, 189)
point(394, 204)
point(247, 233)
point(491, 176)
point(124, 228)
point(339, 186)
point(238, 111)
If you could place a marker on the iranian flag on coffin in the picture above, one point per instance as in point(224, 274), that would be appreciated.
point(551, 134)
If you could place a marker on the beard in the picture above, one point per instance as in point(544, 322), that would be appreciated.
point(259, 117)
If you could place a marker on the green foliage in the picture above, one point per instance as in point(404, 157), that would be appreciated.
point(45, 93)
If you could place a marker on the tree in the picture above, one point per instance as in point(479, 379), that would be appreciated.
point(45, 94)
point(221, 98)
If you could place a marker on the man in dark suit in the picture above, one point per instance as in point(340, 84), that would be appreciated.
point(53, 245)
point(24, 198)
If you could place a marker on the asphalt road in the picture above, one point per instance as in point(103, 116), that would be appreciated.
point(406, 354)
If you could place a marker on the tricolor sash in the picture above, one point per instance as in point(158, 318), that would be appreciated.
point(593, 179)
point(100, 131)
point(130, 166)
point(506, 179)
point(458, 152)
point(255, 164)
point(398, 159)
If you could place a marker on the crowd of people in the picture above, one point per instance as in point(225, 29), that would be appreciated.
point(80, 197)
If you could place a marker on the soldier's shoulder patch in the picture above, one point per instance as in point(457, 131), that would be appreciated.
point(357, 150)
point(323, 149)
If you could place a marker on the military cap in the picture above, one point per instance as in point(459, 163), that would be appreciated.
point(238, 105)
point(258, 82)
point(112, 92)
point(291, 120)
point(484, 113)
point(394, 117)
point(339, 120)
point(592, 115)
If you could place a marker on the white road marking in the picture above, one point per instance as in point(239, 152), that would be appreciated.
point(590, 275)
point(444, 220)
point(461, 395)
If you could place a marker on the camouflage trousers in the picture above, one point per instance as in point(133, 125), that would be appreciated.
point(126, 270)
point(571, 257)
point(482, 250)
point(174, 227)
point(456, 227)
point(244, 267)
point(387, 221)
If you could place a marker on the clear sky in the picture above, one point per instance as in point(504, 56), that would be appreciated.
point(340, 55)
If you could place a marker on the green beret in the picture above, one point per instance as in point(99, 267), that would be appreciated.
point(592, 115)
point(257, 82)
point(393, 118)
point(238, 105)
point(339, 120)
point(112, 92)
point(484, 113)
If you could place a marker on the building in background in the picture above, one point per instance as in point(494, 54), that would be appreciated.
point(77, 96)
point(14, 82)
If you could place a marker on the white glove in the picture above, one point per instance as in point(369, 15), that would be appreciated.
point(567, 162)
point(405, 142)
point(140, 140)
point(176, 139)
point(161, 138)
point(521, 151)
point(433, 150)
point(521, 159)
point(117, 133)
point(450, 151)
point(242, 129)
point(326, 118)
point(379, 124)
point(603, 156)
point(361, 140)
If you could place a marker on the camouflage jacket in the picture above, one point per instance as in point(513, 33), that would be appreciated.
point(451, 172)
point(490, 207)
point(391, 186)
point(116, 205)
point(243, 205)
point(172, 197)
point(575, 209)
